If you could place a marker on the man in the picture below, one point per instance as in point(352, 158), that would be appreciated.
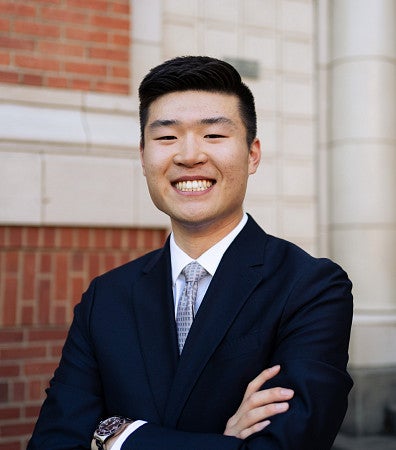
point(249, 354)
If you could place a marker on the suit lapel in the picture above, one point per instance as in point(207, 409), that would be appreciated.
point(154, 311)
point(236, 278)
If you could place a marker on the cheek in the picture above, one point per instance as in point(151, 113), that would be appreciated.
point(156, 179)
point(151, 167)
point(143, 169)
point(155, 160)
point(236, 168)
point(236, 176)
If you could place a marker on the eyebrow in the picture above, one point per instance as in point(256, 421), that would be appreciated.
point(163, 123)
point(214, 120)
point(206, 121)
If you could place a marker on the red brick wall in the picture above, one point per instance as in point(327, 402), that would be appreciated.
point(75, 44)
point(43, 272)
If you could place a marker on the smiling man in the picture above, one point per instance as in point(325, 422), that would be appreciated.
point(226, 338)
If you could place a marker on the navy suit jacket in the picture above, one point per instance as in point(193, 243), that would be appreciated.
point(268, 303)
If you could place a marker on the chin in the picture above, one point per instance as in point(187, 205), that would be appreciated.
point(191, 220)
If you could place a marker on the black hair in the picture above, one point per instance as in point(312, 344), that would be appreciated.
point(201, 73)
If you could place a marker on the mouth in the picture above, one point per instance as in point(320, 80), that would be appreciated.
point(193, 185)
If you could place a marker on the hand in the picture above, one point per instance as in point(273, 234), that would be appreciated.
point(108, 444)
point(257, 405)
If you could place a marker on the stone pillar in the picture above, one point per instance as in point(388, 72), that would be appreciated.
point(362, 193)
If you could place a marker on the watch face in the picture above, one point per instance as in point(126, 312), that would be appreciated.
point(109, 426)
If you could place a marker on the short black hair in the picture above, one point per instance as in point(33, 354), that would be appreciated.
point(200, 73)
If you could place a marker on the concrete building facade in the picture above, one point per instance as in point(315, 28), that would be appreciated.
point(357, 149)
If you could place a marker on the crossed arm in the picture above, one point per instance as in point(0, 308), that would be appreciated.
point(254, 411)
point(311, 346)
point(258, 405)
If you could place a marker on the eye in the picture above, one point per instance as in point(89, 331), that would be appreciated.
point(165, 138)
point(214, 136)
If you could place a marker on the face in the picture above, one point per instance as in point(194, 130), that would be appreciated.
point(196, 160)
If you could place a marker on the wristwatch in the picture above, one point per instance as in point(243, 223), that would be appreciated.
point(108, 428)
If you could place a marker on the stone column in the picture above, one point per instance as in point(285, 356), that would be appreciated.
point(362, 193)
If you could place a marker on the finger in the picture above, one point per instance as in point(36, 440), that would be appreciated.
point(254, 429)
point(261, 378)
point(264, 412)
point(262, 398)
point(266, 396)
point(257, 415)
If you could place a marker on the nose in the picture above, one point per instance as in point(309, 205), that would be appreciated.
point(189, 153)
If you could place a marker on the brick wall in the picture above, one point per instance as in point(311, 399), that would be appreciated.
point(75, 44)
point(43, 272)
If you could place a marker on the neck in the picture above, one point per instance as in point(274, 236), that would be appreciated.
point(196, 240)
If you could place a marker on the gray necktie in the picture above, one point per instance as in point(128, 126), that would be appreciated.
point(193, 272)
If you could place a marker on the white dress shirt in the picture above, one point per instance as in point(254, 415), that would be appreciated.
point(179, 259)
point(208, 260)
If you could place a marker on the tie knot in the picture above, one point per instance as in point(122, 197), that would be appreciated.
point(194, 272)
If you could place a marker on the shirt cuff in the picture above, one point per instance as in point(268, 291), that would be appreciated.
point(126, 433)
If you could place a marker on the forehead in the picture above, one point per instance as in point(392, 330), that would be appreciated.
point(189, 106)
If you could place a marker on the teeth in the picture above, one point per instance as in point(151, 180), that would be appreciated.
point(193, 186)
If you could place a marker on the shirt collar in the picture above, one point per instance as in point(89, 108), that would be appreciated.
point(210, 259)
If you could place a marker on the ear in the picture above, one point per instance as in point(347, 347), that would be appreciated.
point(141, 152)
point(254, 156)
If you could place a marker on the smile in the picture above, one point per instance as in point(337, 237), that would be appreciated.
point(193, 186)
